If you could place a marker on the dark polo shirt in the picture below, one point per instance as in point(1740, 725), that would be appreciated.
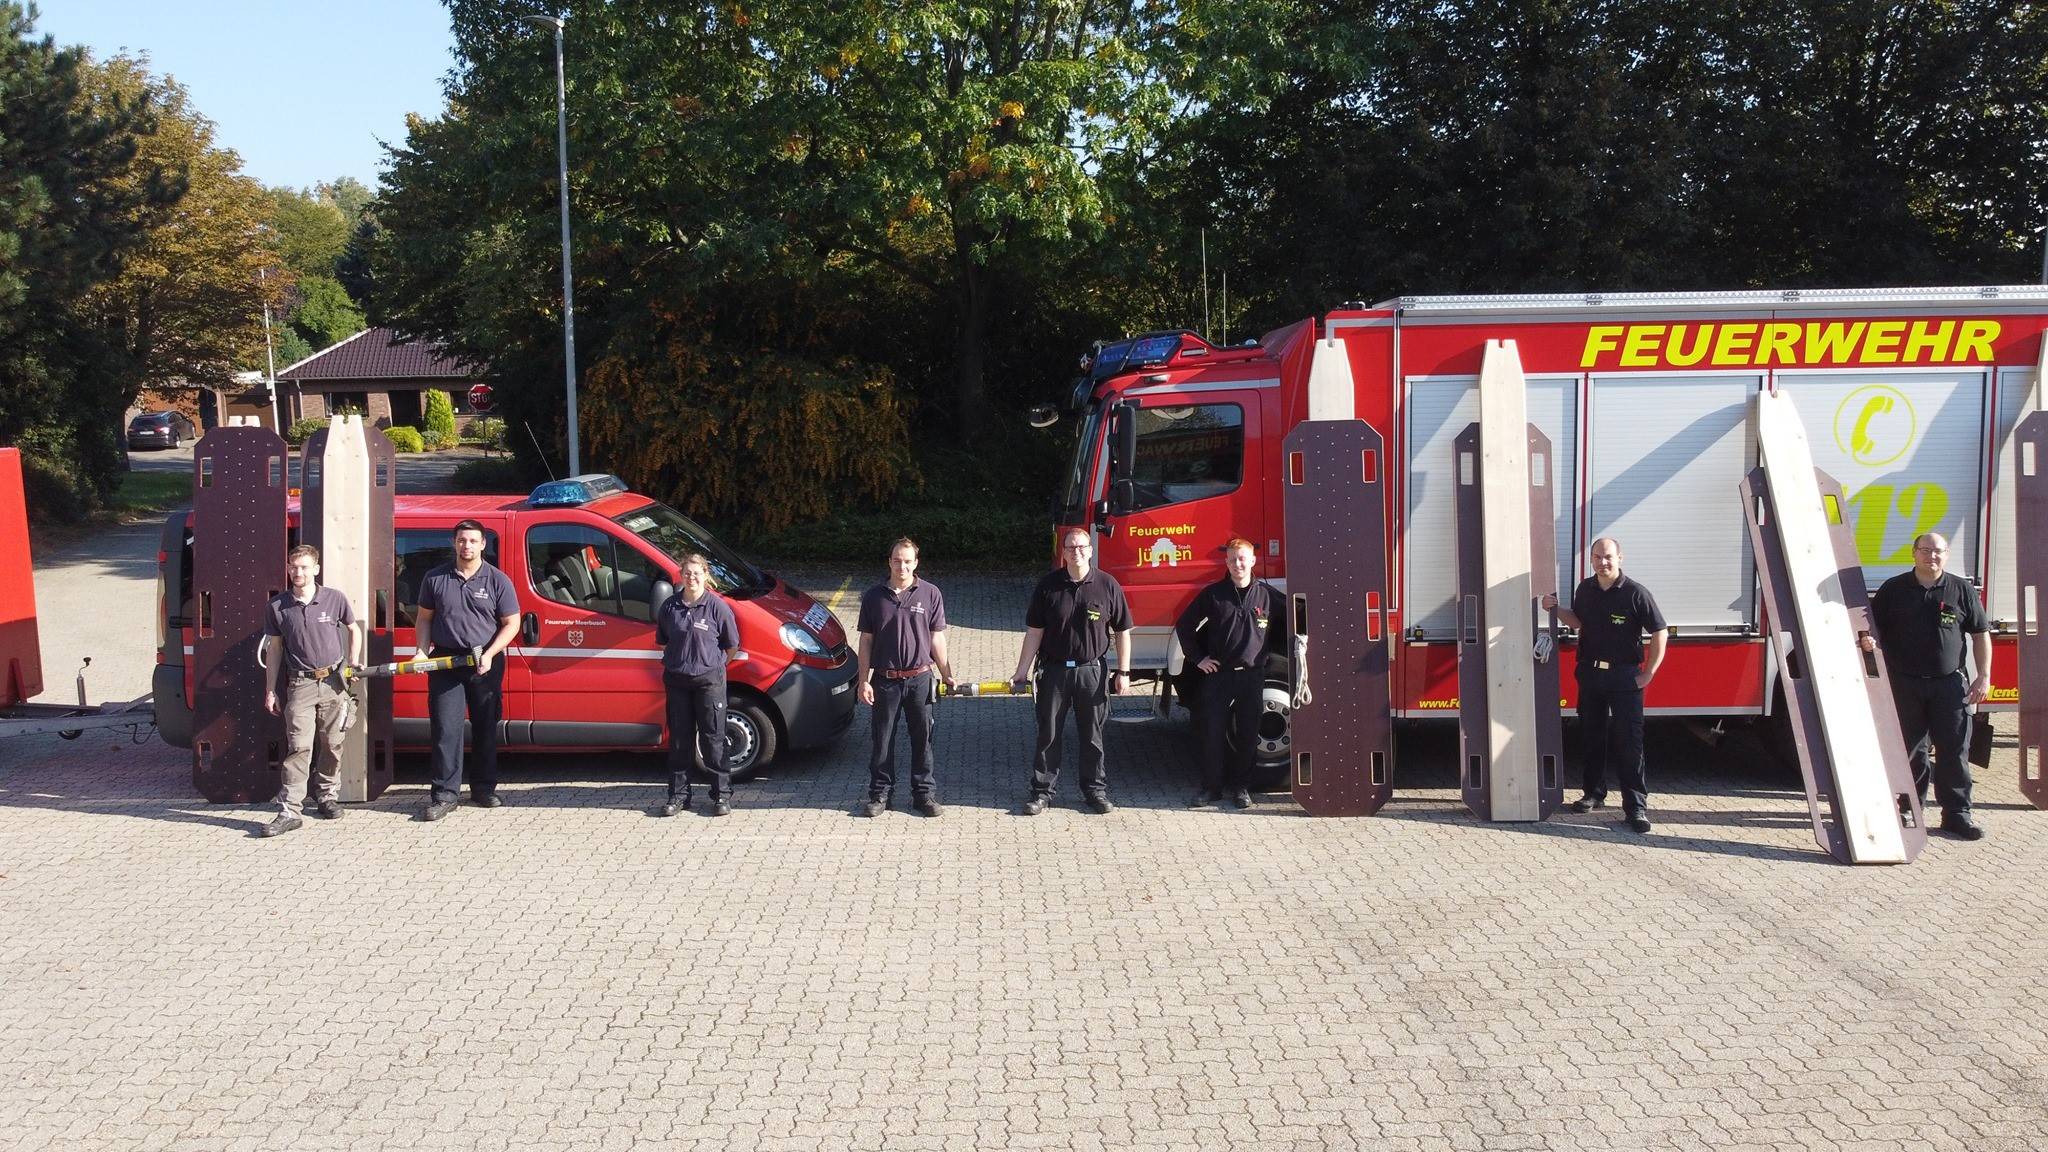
point(1922, 629)
point(694, 637)
point(1612, 620)
point(1077, 616)
point(1231, 624)
point(900, 624)
point(314, 633)
point(466, 612)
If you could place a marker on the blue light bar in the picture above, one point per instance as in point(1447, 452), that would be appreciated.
point(576, 490)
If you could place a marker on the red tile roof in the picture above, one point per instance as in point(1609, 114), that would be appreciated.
point(374, 354)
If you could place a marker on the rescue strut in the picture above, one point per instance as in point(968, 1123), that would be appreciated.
point(408, 667)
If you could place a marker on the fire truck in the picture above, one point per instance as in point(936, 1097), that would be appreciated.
point(1909, 397)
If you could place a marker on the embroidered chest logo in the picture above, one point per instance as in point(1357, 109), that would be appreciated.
point(1617, 618)
point(701, 625)
point(1095, 613)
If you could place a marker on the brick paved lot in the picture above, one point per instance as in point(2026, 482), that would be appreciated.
point(568, 973)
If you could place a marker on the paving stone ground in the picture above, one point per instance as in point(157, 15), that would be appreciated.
point(569, 973)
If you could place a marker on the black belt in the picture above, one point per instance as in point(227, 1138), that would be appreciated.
point(1604, 664)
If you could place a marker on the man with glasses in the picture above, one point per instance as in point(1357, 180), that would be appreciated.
point(1921, 617)
point(1074, 612)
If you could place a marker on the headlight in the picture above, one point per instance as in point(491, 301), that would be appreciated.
point(802, 641)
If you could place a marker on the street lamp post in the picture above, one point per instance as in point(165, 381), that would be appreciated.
point(568, 282)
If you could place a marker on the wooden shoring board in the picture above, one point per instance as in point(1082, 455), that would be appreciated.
point(1844, 722)
point(1484, 677)
point(2030, 535)
point(334, 497)
point(1334, 495)
point(238, 547)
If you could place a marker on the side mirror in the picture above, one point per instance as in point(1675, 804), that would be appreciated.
point(1042, 416)
point(1123, 496)
point(657, 596)
point(1123, 440)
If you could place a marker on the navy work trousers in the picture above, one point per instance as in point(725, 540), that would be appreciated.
point(1083, 691)
point(1232, 699)
point(1935, 710)
point(1611, 721)
point(912, 699)
point(450, 695)
point(696, 728)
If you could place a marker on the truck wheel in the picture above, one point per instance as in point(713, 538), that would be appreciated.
point(1274, 754)
point(749, 738)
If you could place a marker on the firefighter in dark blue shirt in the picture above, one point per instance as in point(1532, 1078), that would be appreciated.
point(1612, 614)
point(1921, 618)
point(466, 606)
point(1225, 633)
point(698, 638)
point(902, 648)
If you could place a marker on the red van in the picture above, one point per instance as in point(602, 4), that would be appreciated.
point(591, 561)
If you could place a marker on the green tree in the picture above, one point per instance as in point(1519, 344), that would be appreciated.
point(324, 315)
point(70, 217)
point(311, 233)
point(188, 302)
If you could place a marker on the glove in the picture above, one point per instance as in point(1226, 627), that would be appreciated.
point(1302, 695)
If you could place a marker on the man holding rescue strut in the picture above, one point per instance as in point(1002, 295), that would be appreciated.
point(1921, 618)
point(1074, 612)
point(1225, 632)
point(1612, 613)
point(310, 637)
point(466, 606)
point(699, 637)
point(902, 646)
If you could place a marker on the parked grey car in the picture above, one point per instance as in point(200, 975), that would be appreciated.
point(160, 430)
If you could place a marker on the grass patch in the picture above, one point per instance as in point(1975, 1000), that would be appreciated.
point(151, 493)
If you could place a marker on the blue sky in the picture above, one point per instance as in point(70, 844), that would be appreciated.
point(303, 91)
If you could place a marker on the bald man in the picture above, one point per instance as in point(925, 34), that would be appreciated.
point(1921, 618)
point(1612, 613)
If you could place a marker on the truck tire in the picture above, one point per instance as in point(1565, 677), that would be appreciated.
point(750, 737)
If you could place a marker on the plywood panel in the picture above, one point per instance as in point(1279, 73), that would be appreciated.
point(1510, 604)
point(1333, 487)
point(1836, 671)
point(238, 547)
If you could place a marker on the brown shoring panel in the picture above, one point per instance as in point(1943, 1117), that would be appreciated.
point(377, 618)
point(1475, 749)
point(1334, 494)
point(1801, 706)
point(2030, 534)
point(238, 546)
point(1543, 582)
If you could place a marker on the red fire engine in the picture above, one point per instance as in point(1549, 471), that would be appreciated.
point(1909, 397)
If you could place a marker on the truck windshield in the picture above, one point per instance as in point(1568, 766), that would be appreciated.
point(1080, 471)
point(676, 535)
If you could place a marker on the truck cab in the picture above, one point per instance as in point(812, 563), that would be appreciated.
point(591, 562)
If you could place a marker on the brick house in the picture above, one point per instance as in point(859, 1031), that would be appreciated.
point(379, 377)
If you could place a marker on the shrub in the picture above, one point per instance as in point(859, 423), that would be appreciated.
point(438, 441)
point(487, 430)
point(405, 439)
point(494, 476)
point(300, 429)
point(439, 421)
point(52, 490)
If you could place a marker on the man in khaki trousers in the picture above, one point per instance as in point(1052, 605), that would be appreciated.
point(310, 637)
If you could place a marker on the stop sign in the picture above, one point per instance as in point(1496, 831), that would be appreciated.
point(480, 398)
